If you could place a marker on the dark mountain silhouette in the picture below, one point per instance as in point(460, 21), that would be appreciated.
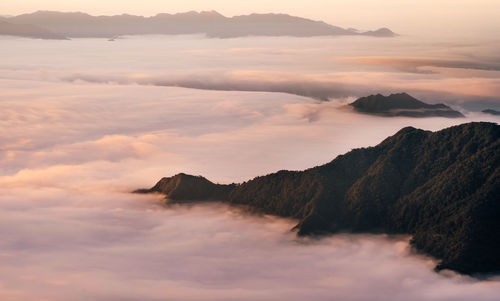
point(441, 187)
point(29, 31)
point(183, 187)
point(210, 23)
point(401, 104)
point(491, 112)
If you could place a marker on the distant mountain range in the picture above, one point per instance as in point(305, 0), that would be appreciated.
point(28, 31)
point(211, 23)
point(441, 187)
point(401, 104)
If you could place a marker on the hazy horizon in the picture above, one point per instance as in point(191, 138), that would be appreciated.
point(455, 18)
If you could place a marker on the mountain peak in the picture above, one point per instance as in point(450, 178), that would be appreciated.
point(211, 13)
point(404, 94)
point(51, 13)
point(401, 104)
point(381, 32)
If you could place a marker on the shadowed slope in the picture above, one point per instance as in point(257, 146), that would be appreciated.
point(441, 187)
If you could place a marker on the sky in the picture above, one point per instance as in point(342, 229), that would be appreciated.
point(469, 17)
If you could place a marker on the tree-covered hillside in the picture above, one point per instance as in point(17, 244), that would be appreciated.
point(441, 187)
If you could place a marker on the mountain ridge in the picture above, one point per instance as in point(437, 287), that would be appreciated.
point(440, 187)
point(210, 23)
point(27, 30)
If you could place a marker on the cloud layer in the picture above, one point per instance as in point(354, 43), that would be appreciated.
point(71, 230)
point(71, 151)
point(116, 246)
point(461, 72)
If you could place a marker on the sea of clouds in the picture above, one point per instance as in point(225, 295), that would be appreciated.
point(84, 122)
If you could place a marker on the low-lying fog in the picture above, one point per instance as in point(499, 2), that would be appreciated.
point(460, 72)
point(84, 122)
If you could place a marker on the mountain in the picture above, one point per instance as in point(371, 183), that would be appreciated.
point(276, 25)
point(183, 187)
point(491, 112)
point(381, 32)
point(440, 187)
point(210, 23)
point(29, 31)
point(401, 104)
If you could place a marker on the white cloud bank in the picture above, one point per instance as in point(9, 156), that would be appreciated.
point(71, 152)
point(71, 231)
point(110, 246)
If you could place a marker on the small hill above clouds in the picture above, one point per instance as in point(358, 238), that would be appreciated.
point(211, 23)
point(441, 187)
point(401, 104)
point(381, 32)
point(491, 112)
